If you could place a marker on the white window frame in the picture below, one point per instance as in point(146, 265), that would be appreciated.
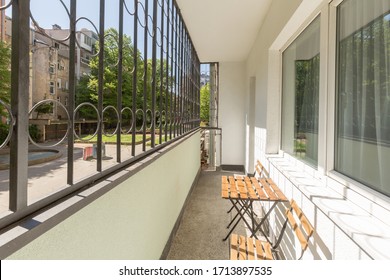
point(322, 11)
point(339, 179)
point(52, 68)
point(52, 88)
point(340, 183)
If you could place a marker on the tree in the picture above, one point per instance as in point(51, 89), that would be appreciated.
point(205, 103)
point(5, 73)
point(5, 87)
point(87, 88)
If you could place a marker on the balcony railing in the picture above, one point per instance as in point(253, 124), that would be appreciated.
point(141, 93)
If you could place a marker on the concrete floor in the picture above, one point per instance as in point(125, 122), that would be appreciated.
point(203, 225)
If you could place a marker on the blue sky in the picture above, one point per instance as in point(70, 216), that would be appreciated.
point(49, 12)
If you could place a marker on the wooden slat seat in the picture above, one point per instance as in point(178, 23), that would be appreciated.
point(303, 232)
point(246, 248)
point(261, 171)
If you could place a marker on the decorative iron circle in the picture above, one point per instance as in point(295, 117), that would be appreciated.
point(132, 120)
point(164, 118)
point(6, 5)
point(48, 101)
point(117, 122)
point(151, 119)
point(10, 125)
point(157, 122)
point(143, 120)
point(42, 30)
point(98, 120)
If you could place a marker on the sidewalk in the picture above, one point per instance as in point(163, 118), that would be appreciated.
point(49, 177)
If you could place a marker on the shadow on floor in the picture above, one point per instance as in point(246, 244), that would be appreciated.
point(203, 226)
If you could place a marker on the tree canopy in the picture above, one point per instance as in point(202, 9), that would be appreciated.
point(205, 103)
point(5, 73)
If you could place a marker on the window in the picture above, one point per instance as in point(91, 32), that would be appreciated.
point(87, 40)
point(66, 101)
point(300, 96)
point(363, 92)
point(59, 83)
point(51, 68)
point(51, 88)
point(60, 65)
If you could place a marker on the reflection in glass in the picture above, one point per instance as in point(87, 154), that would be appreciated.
point(301, 64)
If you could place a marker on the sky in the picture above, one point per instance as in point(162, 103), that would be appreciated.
point(49, 12)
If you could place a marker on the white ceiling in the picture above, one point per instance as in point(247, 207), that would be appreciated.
point(223, 30)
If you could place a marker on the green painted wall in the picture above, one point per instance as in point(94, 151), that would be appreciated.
point(132, 221)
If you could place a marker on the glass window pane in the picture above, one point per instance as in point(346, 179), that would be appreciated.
point(301, 70)
point(363, 92)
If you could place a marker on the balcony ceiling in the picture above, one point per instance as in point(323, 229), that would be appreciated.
point(223, 30)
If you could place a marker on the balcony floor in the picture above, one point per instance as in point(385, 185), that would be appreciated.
point(203, 225)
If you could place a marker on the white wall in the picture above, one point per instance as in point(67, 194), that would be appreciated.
point(258, 65)
point(231, 111)
point(132, 221)
point(351, 221)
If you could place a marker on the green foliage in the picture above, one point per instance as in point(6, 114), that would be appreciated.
point(5, 73)
point(46, 108)
point(34, 132)
point(88, 85)
point(4, 129)
point(205, 103)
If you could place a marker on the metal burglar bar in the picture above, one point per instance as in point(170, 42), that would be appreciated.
point(148, 93)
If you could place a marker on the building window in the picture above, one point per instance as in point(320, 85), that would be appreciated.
point(51, 88)
point(59, 83)
point(60, 65)
point(300, 97)
point(51, 68)
point(87, 40)
point(66, 101)
point(363, 92)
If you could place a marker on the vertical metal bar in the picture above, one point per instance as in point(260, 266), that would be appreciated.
point(176, 78)
point(120, 82)
point(184, 79)
point(161, 70)
point(145, 73)
point(181, 89)
point(179, 77)
point(134, 95)
point(172, 73)
point(154, 53)
point(191, 89)
point(72, 88)
point(198, 93)
point(185, 57)
point(186, 61)
point(167, 75)
point(100, 86)
point(19, 104)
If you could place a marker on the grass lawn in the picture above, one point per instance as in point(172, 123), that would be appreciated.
point(125, 139)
